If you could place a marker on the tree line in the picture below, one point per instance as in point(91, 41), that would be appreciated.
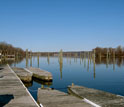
point(111, 52)
point(8, 49)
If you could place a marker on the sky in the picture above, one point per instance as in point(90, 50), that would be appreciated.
point(71, 25)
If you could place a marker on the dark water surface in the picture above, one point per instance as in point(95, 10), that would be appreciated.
point(104, 75)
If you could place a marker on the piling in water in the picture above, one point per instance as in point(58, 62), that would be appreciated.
point(38, 59)
point(26, 58)
point(61, 62)
point(114, 60)
point(30, 58)
point(94, 63)
point(48, 59)
point(88, 63)
point(107, 59)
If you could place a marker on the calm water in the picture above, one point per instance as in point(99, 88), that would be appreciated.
point(107, 76)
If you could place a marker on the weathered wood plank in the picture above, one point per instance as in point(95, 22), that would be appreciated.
point(55, 98)
point(24, 75)
point(100, 98)
point(12, 91)
point(41, 74)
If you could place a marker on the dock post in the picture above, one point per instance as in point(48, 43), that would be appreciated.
point(84, 60)
point(61, 61)
point(94, 63)
point(100, 57)
point(107, 59)
point(38, 59)
point(88, 63)
point(30, 58)
point(26, 58)
point(80, 58)
point(114, 60)
point(48, 59)
point(70, 58)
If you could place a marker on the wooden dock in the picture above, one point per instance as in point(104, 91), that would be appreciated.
point(100, 98)
point(12, 91)
point(55, 98)
point(40, 74)
point(24, 75)
point(48, 83)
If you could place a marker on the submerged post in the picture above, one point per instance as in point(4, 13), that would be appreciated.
point(107, 59)
point(114, 60)
point(80, 58)
point(38, 59)
point(70, 58)
point(94, 63)
point(61, 61)
point(26, 58)
point(48, 59)
point(88, 63)
point(84, 60)
point(30, 58)
point(100, 57)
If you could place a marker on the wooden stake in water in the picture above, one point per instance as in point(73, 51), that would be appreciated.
point(26, 58)
point(90, 58)
point(30, 58)
point(100, 57)
point(80, 58)
point(70, 58)
point(38, 59)
point(48, 59)
point(114, 60)
point(94, 63)
point(67, 57)
point(107, 59)
point(84, 60)
point(76, 55)
point(88, 63)
point(61, 61)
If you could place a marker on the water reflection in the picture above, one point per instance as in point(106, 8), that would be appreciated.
point(42, 83)
point(38, 63)
point(29, 84)
point(11, 61)
point(46, 83)
point(67, 70)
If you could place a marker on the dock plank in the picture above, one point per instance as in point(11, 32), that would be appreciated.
point(40, 74)
point(55, 98)
point(12, 92)
point(24, 75)
point(101, 98)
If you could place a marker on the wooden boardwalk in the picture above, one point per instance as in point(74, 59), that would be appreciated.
point(101, 98)
point(55, 98)
point(24, 75)
point(12, 91)
point(40, 74)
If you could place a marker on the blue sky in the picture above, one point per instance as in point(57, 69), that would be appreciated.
point(51, 25)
